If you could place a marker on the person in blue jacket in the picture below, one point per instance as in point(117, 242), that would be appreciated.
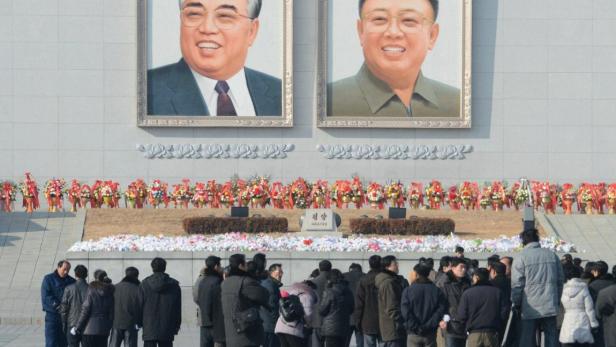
point(52, 290)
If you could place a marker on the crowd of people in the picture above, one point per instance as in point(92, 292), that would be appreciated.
point(536, 299)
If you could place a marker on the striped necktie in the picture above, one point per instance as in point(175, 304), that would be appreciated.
point(225, 105)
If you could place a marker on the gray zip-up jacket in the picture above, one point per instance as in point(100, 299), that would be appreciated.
point(537, 282)
point(72, 300)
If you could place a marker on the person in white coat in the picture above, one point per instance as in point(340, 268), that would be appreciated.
point(579, 319)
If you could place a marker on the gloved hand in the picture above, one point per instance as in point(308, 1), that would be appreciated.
point(137, 327)
point(73, 331)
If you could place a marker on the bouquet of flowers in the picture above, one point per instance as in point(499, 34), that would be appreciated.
point(299, 193)
point(226, 195)
point(278, 195)
point(342, 193)
point(453, 198)
point(519, 196)
point(110, 192)
point(567, 197)
point(611, 198)
point(8, 195)
point(485, 199)
point(213, 194)
point(131, 195)
point(157, 193)
point(469, 193)
point(199, 195)
point(434, 192)
point(498, 196)
point(30, 193)
point(375, 195)
point(74, 193)
point(395, 194)
point(416, 197)
point(258, 191)
point(320, 195)
point(182, 194)
point(358, 192)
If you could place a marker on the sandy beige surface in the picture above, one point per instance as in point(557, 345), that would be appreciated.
point(104, 222)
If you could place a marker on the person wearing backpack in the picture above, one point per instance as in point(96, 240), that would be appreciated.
point(297, 305)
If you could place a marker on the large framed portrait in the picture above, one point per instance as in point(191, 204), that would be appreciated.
point(394, 64)
point(215, 63)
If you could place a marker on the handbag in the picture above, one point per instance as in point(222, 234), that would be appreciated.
point(245, 319)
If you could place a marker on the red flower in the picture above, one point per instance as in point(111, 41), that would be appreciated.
point(307, 242)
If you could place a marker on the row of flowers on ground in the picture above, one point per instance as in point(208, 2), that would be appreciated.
point(260, 192)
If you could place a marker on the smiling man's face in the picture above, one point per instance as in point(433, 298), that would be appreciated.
point(218, 46)
point(396, 36)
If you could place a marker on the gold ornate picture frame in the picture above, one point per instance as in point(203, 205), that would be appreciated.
point(327, 20)
point(145, 38)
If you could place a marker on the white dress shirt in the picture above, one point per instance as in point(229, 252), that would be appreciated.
point(238, 92)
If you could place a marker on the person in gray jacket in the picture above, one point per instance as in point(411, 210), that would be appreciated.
point(536, 287)
point(72, 300)
point(127, 310)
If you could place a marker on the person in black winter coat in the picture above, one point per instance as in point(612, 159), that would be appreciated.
point(366, 303)
point(96, 318)
point(423, 308)
point(72, 300)
point(127, 310)
point(482, 310)
point(161, 299)
point(241, 294)
point(325, 267)
point(605, 309)
point(499, 279)
point(335, 310)
point(52, 290)
point(601, 280)
point(206, 294)
point(270, 315)
point(353, 277)
point(453, 287)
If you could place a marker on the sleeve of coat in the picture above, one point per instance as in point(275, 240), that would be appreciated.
point(462, 315)
point(141, 304)
point(272, 302)
point(358, 310)
point(560, 275)
point(64, 308)
point(405, 310)
point(504, 307)
point(47, 295)
point(86, 310)
point(590, 309)
point(208, 304)
point(325, 303)
point(195, 290)
point(308, 302)
point(439, 313)
point(603, 306)
point(178, 308)
point(254, 292)
point(392, 304)
point(518, 281)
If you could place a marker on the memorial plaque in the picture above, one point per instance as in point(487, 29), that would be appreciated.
point(321, 220)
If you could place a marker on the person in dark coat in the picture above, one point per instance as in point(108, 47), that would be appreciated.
point(353, 277)
point(325, 267)
point(161, 300)
point(605, 309)
point(499, 279)
point(96, 318)
point(335, 309)
point(206, 295)
point(260, 262)
point(270, 315)
point(601, 280)
point(72, 300)
point(423, 307)
point(457, 282)
point(127, 310)
point(241, 293)
point(366, 303)
point(390, 288)
point(443, 269)
point(52, 290)
point(482, 310)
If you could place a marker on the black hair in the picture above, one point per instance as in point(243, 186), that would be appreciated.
point(568, 258)
point(457, 261)
point(474, 263)
point(101, 276)
point(310, 284)
point(211, 262)
point(159, 264)
point(571, 271)
point(334, 276)
point(132, 272)
point(422, 270)
point(483, 276)
point(614, 270)
point(430, 263)
point(375, 262)
point(590, 265)
point(499, 268)
point(315, 273)
point(236, 260)
point(275, 267)
point(577, 261)
point(81, 272)
point(325, 265)
point(61, 263)
point(459, 249)
point(260, 261)
point(355, 267)
point(433, 3)
point(529, 235)
point(601, 267)
point(388, 260)
point(252, 268)
point(444, 262)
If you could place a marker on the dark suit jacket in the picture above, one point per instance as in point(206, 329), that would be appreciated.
point(173, 90)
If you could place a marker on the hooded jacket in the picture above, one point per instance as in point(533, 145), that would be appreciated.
point(335, 309)
point(308, 298)
point(579, 313)
point(391, 323)
point(366, 304)
point(241, 292)
point(127, 304)
point(96, 317)
point(537, 282)
point(207, 298)
point(162, 307)
point(72, 300)
point(423, 307)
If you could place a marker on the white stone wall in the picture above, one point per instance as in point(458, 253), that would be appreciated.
point(544, 102)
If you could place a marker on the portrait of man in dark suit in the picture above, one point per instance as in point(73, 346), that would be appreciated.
point(211, 78)
point(396, 37)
